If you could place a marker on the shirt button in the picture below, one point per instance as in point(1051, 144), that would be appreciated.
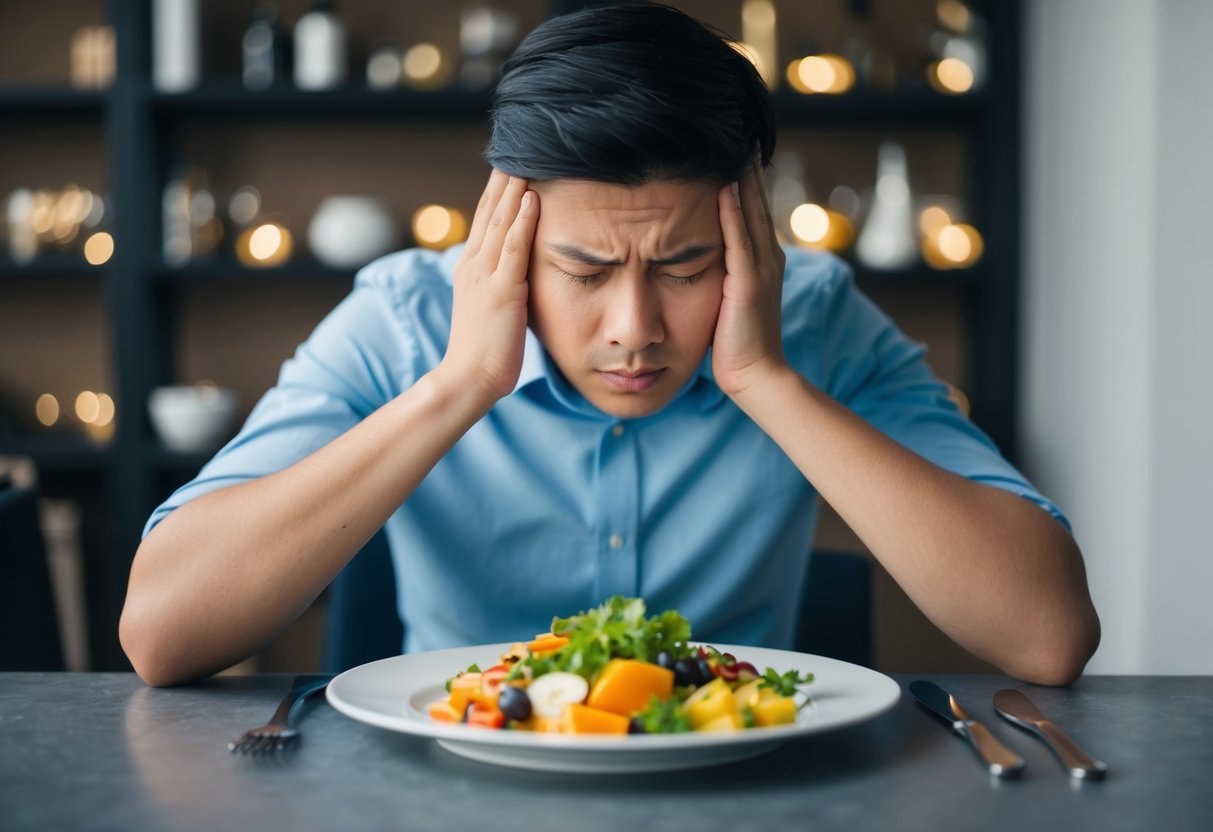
point(616, 541)
point(617, 431)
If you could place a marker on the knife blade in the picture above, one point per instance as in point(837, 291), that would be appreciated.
point(997, 758)
point(1015, 707)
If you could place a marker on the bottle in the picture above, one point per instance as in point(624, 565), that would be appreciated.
point(887, 240)
point(264, 48)
point(319, 48)
point(176, 49)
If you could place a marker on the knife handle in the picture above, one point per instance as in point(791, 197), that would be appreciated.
point(1000, 760)
point(1080, 763)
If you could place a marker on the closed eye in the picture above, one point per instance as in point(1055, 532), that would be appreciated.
point(685, 280)
point(580, 279)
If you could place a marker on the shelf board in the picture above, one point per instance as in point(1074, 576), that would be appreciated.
point(920, 274)
point(230, 99)
point(54, 265)
point(900, 109)
point(228, 268)
point(58, 453)
point(50, 100)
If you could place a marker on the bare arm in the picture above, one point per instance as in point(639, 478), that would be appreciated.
point(992, 570)
point(221, 576)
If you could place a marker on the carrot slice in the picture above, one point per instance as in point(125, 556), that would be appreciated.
point(546, 643)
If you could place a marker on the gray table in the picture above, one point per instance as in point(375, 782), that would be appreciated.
point(102, 751)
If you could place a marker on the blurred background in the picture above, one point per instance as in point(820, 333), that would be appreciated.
point(188, 187)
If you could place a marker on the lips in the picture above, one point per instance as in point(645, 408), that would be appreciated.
point(631, 381)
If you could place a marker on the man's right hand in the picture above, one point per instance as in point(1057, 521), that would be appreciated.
point(488, 319)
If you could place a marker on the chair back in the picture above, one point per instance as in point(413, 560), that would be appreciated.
point(363, 624)
point(29, 628)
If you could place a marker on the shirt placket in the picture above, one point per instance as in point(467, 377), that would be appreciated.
point(618, 513)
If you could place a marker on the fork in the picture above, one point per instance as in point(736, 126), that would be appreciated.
point(278, 732)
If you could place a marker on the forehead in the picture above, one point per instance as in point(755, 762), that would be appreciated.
point(665, 210)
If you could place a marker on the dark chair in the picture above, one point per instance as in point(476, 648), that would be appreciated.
point(29, 629)
point(363, 624)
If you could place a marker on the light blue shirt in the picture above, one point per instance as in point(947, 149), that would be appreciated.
point(547, 506)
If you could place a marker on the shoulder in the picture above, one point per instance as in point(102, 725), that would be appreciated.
point(813, 281)
point(405, 276)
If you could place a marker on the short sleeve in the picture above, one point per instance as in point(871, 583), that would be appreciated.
point(866, 363)
point(357, 359)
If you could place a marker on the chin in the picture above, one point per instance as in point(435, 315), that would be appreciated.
point(631, 406)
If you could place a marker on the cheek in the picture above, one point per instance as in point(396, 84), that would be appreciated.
point(694, 317)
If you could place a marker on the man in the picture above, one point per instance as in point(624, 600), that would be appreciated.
point(619, 385)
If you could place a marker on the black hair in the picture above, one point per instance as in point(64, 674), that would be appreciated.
point(627, 94)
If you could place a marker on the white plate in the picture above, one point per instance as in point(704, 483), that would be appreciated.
point(395, 694)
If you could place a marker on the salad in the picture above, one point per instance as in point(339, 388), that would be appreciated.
point(614, 670)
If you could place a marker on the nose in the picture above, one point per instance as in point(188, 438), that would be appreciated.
point(633, 318)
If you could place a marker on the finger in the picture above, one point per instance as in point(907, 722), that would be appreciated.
point(738, 244)
point(758, 216)
point(502, 218)
point(516, 248)
point(484, 209)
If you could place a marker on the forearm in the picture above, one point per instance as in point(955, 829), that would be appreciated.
point(992, 570)
point(221, 576)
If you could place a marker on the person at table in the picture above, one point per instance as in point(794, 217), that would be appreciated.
point(621, 384)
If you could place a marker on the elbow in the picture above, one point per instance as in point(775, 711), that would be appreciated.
point(155, 661)
point(1059, 659)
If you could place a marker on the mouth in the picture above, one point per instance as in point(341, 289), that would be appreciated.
point(631, 381)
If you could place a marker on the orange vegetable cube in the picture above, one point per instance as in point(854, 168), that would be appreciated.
point(582, 719)
point(625, 686)
point(443, 711)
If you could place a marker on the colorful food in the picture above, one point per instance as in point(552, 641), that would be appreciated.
point(612, 670)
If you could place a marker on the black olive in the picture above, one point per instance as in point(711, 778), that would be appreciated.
point(686, 672)
point(514, 703)
point(665, 659)
point(705, 671)
point(635, 726)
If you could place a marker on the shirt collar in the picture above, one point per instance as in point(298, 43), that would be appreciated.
point(700, 392)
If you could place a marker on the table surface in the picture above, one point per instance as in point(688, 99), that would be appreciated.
point(103, 751)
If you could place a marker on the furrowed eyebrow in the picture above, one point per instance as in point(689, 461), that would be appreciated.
point(582, 256)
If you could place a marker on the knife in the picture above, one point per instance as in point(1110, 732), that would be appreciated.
point(1000, 760)
point(1016, 708)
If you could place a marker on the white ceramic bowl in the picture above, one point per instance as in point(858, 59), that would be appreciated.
point(350, 231)
point(192, 417)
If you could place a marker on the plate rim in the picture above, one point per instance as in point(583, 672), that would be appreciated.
point(885, 690)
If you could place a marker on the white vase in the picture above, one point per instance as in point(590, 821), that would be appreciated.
point(887, 240)
point(350, 231)
point(176, 45)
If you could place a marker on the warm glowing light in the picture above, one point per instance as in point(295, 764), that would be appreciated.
point(830, 74)
point(439, 227)
point(266, 244)
point(810, 223)
point(88, 406)
point(99, 248)
point(955, 246)
point(817, 227)
point(47, 410)
point(105, 410)
point(932, 219)
point(424, 65)
point(954, 14)
point(951, 75)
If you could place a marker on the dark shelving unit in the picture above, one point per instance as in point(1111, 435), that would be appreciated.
point(141, 125)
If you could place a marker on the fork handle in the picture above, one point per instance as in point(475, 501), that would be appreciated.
point(301, 689)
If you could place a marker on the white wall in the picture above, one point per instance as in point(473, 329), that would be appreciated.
point(1117, 404)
